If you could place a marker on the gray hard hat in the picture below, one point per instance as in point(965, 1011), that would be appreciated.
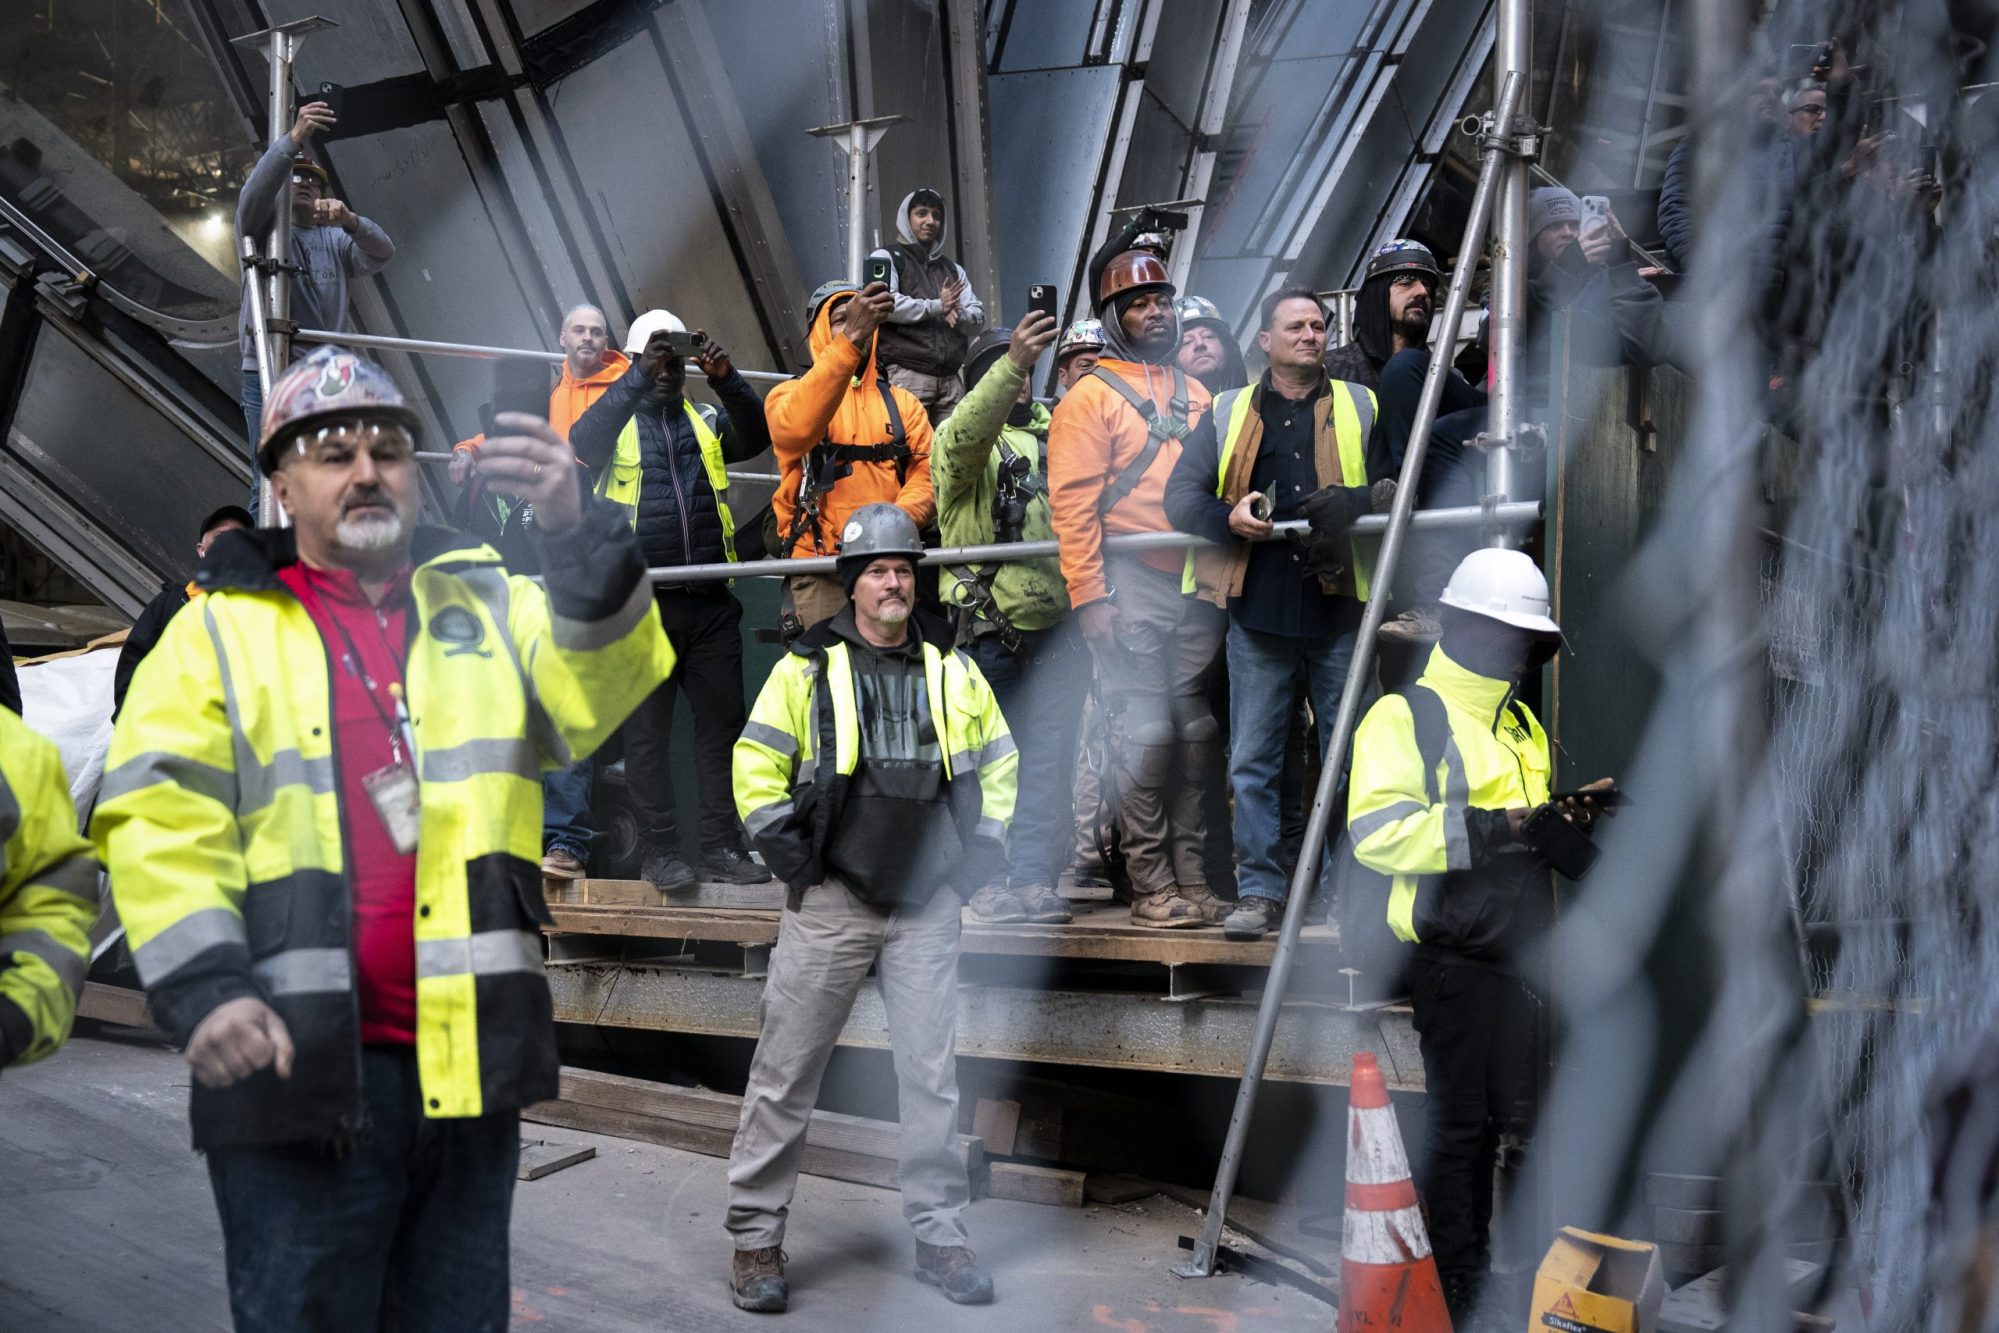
point(985, 349)
point(876, 530)
point(825, 292)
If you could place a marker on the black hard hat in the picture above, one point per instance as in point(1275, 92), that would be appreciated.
point(1402, 256)
point(979, 356)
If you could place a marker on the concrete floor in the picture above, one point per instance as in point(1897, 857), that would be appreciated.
point(106, 1224)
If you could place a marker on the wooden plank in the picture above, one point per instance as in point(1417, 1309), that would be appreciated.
point(732, 927)
point(539, 1157)
point(115, 1005)
point(1035, 1184)
point(639, 893)
point(996, 1123)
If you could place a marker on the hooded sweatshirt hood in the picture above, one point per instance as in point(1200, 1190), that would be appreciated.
point(1118, 347)
point(907, 234)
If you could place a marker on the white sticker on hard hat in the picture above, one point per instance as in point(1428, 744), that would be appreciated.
point(852, 532)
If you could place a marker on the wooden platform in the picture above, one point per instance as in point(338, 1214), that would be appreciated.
point(1101, 931)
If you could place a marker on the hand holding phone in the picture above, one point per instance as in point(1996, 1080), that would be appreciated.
point(877, 269)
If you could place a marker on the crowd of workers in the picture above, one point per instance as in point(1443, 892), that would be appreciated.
point(350, 752)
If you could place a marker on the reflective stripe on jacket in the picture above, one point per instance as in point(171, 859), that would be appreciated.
point(789, 800)
point(1342, 421)
point(1454, 873)
point(619, 483)
point(48, 895)
point(220, 819)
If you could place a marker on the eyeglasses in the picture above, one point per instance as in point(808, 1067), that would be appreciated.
point(1815, 112)
point(333, 444)
point(304, 178)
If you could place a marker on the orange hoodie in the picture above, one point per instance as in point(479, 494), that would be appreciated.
point(1093, 437)
point(838, 401)
point(572, 397)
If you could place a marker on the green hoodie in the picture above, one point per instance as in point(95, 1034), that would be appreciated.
point(964, 469)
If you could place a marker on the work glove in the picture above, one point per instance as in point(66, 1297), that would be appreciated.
point(1331, 512)
point(1381, 495)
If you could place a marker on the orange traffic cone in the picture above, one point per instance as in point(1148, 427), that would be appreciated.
point(1387, 1278)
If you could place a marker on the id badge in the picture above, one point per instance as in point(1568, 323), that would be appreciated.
point(393, 791)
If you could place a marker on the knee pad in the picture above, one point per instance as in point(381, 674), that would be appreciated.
point(1201, 730)
point(1145, 749)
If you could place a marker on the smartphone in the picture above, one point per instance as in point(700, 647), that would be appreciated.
point(1566, 848)
point(1926, 159)
point(1041, 297)
point(519, 385)
point(1596, 214)
point(1607, 799)
point(877, 269)
point(333, 95)
point(685, 344)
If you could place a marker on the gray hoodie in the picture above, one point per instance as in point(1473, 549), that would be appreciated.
point(914, 309)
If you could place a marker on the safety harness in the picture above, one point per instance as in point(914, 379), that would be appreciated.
point(1158, 430)
point(828, 462)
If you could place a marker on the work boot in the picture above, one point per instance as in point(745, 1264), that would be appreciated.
point(561, 863)
point(1213, 908)
point(1252, 919)
point(732, 865)
point(952, 1269)
point(1165, 910)
point(757, 1281)
point(996, 904)
point(1417, 625)
point(1043, 904)
point(665, 871)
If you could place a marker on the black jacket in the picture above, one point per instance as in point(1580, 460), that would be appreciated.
point(1350, 363)
point(139, 641)
point(1617, 318)
point(678, 523)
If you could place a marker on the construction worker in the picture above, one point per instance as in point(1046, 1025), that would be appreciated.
point(167, 602)
point(48, 897)
point(321, 811)
point(936, 314)
point(1400, 290)
point(1112, 443)
point(1076, 355)
point(876, 769)
point(844, 437)
point(1292, 445)
point(990, 469)
point(665, 460)
point(590, 365)
point(1207, 346)
point(1445, 776)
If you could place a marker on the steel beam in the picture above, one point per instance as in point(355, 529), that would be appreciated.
point(1315, 1042)
point(971, 155)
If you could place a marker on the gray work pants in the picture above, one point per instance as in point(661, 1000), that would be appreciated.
point(823, 952)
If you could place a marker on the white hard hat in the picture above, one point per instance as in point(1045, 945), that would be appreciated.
point(651, 322)
point(1506, 586)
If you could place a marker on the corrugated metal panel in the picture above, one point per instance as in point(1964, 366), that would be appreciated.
point(1041, 134)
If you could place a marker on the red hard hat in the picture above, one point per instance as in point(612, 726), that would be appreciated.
point(1129, 271)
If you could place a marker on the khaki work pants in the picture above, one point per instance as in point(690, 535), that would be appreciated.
point(813, 598)
point(1162, 731)
point(824, 949)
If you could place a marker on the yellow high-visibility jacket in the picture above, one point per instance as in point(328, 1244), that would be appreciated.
point(221, 822)
point(791, 802)
point(48, 897)
point(1437, 827)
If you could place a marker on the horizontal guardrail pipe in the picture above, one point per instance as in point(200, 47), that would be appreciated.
point(471, 351)
point(757, 478)
point(1513, 514)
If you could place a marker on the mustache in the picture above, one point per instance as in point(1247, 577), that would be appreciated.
point(359, 499)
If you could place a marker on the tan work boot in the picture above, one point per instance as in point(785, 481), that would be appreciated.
point(757, 1281)
point(1165, 910)
point(998, 905)
point(954, 1270)
point(1213, 909)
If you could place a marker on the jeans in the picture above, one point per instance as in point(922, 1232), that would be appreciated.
point(404, 1227)
point(253, 426)
point(705, 628)
point(565, 808)
point(1476, 1028)
point(1264, 670)
point(1040, 687)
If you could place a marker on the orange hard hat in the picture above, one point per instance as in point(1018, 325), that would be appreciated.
point(1128, 272)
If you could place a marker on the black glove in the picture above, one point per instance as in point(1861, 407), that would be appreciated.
point(1331, 511)
point(1381, 495)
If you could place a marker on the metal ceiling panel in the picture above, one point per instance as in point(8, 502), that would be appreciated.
point(1177, 69)
point(533, 16)
point(372, 42)
point(1049, 130)
point(1045, 34)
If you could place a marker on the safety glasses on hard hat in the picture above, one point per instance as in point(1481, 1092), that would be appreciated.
point(336, 443)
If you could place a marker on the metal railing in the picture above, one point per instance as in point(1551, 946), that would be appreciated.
point(470, 351)
point(434, 456)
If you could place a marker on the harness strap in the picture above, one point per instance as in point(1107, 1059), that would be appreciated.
point(1158, 430)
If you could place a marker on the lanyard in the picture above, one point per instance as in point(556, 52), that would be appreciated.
point(402, 739)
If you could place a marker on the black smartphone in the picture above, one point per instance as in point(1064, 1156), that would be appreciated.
point(1041, 297)
point(519, 385)
point(1566, 848)
point(333, 95)
point(876, 270)
point(1926, 159)
point(1606, 799)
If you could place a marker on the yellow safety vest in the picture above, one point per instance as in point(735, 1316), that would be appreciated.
point(48, 892)
point(221, 820)
point(1353, 420)
point(619, 482)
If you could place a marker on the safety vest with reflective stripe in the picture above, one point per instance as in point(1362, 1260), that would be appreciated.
point(48, 896)
point(1443, 874)
point(779, 773)
point(619, 483)
point(220, 819)
point(1216, 574)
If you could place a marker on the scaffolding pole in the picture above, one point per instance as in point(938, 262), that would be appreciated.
point(1498, 151)
point(1511, 55)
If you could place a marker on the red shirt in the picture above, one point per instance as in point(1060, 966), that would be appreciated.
point(381, 881)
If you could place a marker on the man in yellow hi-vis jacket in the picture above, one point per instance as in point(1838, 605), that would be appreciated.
point(322, 816)
point(48, 897)
point(875, 770)
point(1445, 776)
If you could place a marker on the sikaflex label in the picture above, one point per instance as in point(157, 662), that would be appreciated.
point(1562, 1317)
